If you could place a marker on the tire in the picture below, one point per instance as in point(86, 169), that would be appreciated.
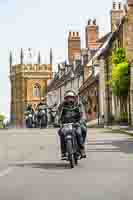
point(29, 123)
point(72, 161)
point(76, 159)
point(43, 121)
point(69, 148)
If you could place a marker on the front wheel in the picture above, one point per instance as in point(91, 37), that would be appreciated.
point(69, 147)
point(76, 158)
point(43, 121)
point(29, 123)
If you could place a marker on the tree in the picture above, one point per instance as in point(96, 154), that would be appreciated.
point(2, 118)
point(120, 77)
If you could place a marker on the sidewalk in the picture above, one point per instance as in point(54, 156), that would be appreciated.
point(126, 129)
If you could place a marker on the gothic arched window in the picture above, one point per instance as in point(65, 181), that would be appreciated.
point(36, 90)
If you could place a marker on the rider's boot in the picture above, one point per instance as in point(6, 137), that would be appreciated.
point(63, 156)
point(82, 151)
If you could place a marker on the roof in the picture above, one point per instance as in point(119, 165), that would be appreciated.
point(65, 77)
point(104, 38)
point(90, 81)
point(102, 49)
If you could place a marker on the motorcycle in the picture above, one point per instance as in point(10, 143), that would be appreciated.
point(29, 119)
point(72, 149)
point(53, 117)
point(42, 117)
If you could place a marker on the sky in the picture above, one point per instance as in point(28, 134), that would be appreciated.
point(43, 24)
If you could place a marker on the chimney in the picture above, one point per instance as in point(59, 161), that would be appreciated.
point(74, 46)
point(130, 3)
point(117, 13)
point(92, 34)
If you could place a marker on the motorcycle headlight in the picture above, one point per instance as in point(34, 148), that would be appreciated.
point(68, 126)
point(68, 137)
point(30, 115)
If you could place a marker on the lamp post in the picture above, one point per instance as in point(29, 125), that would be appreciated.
point(97, 97)
point(130, 93)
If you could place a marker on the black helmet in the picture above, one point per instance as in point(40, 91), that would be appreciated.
point(29, 106)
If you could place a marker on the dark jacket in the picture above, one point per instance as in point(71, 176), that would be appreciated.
point(41, 106)
point(69, 113)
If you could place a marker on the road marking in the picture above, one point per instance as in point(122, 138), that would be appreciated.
point(6, 171)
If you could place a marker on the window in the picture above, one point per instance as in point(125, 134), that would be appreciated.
point(36, 90)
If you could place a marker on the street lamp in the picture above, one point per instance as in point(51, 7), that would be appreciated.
point(130, 93)
point(97, 97)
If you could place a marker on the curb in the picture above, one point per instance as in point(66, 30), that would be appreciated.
point(126, 132)
point(121, 130)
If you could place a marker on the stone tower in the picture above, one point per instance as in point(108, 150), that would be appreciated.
point(28, 85)
point(117, 14)
point(74, 46)
point(91, 34)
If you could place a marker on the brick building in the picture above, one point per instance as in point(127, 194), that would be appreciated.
point(121, 36)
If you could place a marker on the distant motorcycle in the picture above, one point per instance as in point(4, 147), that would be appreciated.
point(72, 149)
point(29, 119)
point(42, 117)
point(53, 114)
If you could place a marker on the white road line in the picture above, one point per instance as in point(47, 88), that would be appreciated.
point(6, 171)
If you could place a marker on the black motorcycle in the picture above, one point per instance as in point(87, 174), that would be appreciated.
point(29, 119)
point(72, 149)
point(54, 117)
point(42, 117)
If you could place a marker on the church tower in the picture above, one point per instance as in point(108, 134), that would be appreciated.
point(28, 85)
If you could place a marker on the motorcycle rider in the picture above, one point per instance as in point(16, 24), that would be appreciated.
point(52, 112)
point(71, 112)
point(30, 109)
point(41, 105)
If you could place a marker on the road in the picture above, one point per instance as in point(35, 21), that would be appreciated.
point(30, 167)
